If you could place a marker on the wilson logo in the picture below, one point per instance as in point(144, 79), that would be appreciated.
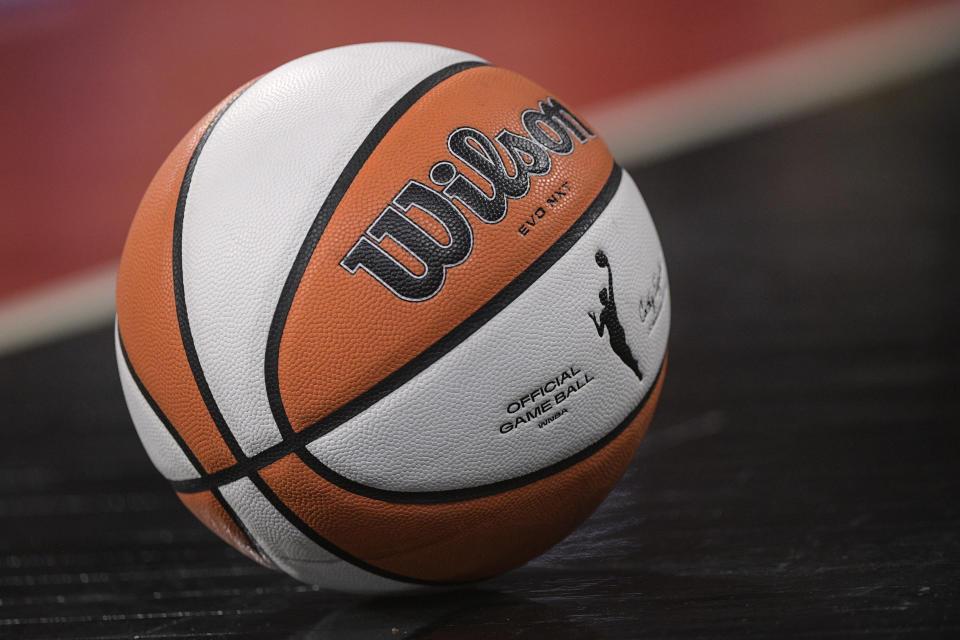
point(505, 163)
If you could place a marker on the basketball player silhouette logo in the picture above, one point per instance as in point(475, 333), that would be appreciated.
point(608, 319)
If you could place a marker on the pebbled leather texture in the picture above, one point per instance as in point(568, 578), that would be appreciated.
point(256, 188)
point(147, 313)
point(210, 511)
point(164, 451)
point(296, 554)
point(465, 540)
point(439, 441)
point(345, 332)
point(441, 430)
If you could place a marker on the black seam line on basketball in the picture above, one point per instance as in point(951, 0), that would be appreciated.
point(327, 209)
point(315, 537)
point(251, 541)
point(186, 450)
point(183, 320)
point(156, 409)
point(480, 491)
point(433, 353)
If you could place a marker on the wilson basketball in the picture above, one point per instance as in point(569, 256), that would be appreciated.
point(389, 315)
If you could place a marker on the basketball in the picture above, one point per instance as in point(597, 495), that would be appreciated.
point(391, 316)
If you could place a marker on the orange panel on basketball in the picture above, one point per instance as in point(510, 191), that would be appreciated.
point(345, 332)
point(466, 540)
point(207, 508)
point(392, 316)
point(147, 310)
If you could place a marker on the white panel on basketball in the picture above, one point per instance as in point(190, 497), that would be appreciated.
point(163, 450)
point(260, 179)
point(292, 551)
point(440, 430)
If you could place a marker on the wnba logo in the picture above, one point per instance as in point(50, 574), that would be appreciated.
point(550, 129)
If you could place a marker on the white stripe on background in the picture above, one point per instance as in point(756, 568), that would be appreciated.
point(644, 127)
point(651, 125)
point(73, 304)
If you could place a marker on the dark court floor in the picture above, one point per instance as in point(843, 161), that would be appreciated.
point(800, 478)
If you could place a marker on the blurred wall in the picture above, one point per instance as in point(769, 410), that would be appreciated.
point(96, 93)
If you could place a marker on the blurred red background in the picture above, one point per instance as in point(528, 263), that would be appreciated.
point(96, 93)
